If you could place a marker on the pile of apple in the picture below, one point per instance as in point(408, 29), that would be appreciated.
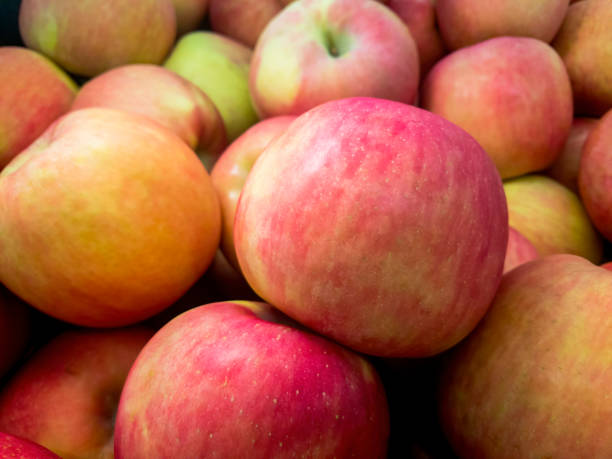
point(308, 228)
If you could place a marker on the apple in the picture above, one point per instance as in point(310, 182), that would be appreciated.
point(314, 51)
point(243, 20)
point(607, 265)
point(512, 94)
point(464, 23)
point(584, 42)
point(533, 380)
point(565, 168)
point(15, 447)
point(230, 172)
point(377, 224)
point(107, 219)
point(552, 217)
point(189, 14)
point(15, 330)
point(65, 396)
point(520, 250)
point(238, 379)
point(163, 96)
point(35, 93)
point(595, 175)
point(89, 37)
point(420, 17)
point(219, 66)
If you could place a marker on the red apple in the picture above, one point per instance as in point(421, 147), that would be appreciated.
point(107, 219)
point(420, 17)
point(595, 175)
point(520, 250)
point(467, 22)
point(231, 170)
point(243, 20)
point(314, 51)
point(552, 217)
point(163, 96)
point(15, 447)
point(607, 265)
point(512, 94)
point(237, 379)
point(35, 93)
point(533, 380)
point(565, 168)
point(66, 395)
point(15, 329)
point(89, 37)
point(376, 223)
point(585, 45)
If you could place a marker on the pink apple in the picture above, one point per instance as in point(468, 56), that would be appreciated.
point(107, 219)
point(219, 66)
point(552, 217)
point(89, 37)
point(420, 17)
point(36, 92)
point(163, 96)
point(520, 250)
point(238, 379)
point(533, 380)
point(376, 223)
point(15, 447)
point(595, 175)
point(15, 329)
point(189, 14)
point(467, 22)
point(512, 94)
point(231, 170)
point(565, 168)
point(319, 50)
point(585, 45)
point(66, 395)
point(243, 20)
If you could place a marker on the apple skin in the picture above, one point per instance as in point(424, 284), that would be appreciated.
point(533, 380)
point(127, 222)
point(231, 170)
point(520, 250)
point(15, 329)
point(87, 38)
point(512, 94)
point(463, 23)
point(164, 96)
point(243, 20)
point(595, 175)
point(552, 217)
point(315, 51)
point(189, 14)
point(65, 396)
point(40, 92)
point(219, 66)
point(607, 265)
point(238, 379)
point(420, 17)
point(349, 223)
point(15, 447)
point(566, 166)
point(584, 42)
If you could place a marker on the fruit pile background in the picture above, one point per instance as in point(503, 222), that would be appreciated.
point(306, 228)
